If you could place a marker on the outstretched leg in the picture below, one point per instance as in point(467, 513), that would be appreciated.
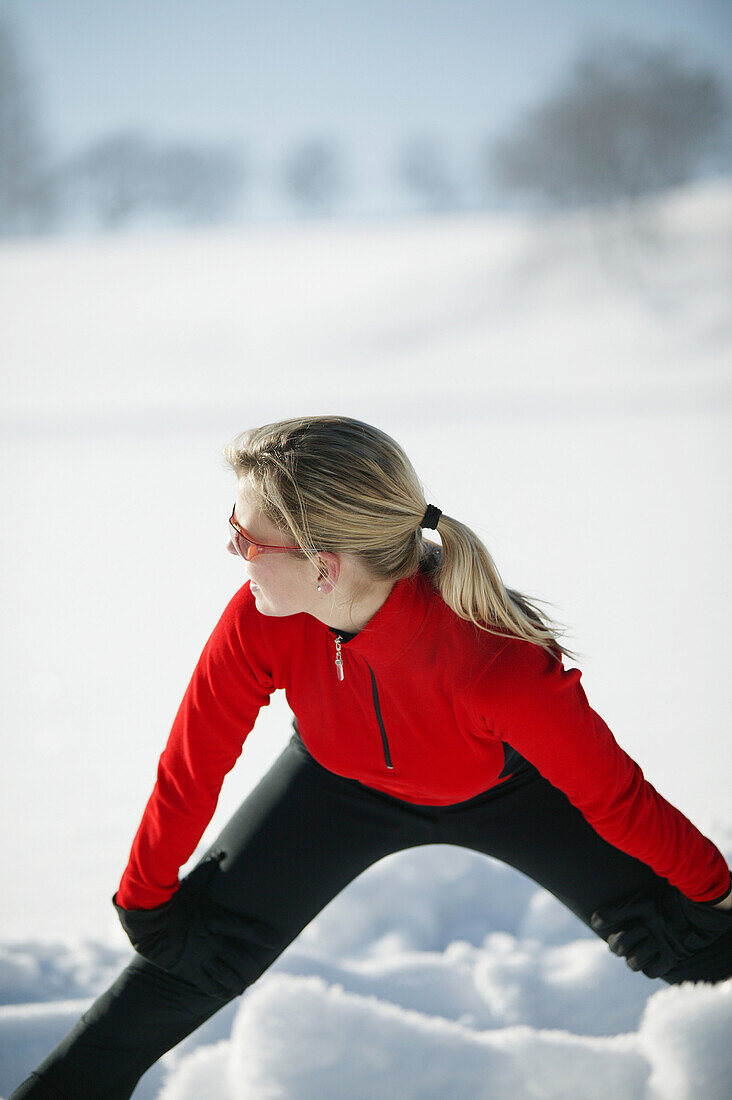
point(143, 1013)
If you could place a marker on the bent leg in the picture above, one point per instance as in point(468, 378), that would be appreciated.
point(532, 826)
point(295, 842)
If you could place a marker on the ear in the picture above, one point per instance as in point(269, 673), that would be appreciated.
point(329, 570)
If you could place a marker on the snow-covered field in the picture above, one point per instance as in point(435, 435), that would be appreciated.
point(435, 974)
point(575, 414)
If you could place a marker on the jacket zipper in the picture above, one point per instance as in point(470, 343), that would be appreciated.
point(377, 705)
point(338, 657)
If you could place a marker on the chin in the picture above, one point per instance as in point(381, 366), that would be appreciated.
point(264, 606)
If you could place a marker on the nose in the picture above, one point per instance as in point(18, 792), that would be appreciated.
point(232, 549)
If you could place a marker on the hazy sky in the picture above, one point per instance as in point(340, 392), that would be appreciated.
point(367, 72)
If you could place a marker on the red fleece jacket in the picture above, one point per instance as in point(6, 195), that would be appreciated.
point(422, 712)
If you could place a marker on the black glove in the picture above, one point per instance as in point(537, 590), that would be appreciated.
point(654, 932)
point(194, 938)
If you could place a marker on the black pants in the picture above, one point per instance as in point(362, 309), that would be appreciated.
point(298, 839)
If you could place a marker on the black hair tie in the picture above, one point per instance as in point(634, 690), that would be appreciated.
point(431, 517)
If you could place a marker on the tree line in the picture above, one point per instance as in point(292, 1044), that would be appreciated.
point(627, 120)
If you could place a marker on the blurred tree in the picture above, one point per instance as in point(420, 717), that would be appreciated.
point(27, 194)
point(112, 177)
point(198, 184)
point(312, 175)
point(124, 176)
point(631, 120)
point(422, 166)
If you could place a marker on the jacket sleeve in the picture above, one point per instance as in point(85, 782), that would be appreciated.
point(229, 685)
point(527, 699)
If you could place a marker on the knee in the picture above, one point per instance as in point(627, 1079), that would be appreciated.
point(227, 951)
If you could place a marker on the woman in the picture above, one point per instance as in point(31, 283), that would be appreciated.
point(431, 706)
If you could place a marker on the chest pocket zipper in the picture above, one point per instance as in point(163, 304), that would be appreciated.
point(377, 707)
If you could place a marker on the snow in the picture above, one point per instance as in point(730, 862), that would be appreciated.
point(587, 443)
point(540, 1008)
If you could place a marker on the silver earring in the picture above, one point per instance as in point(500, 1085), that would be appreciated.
point(320, 588)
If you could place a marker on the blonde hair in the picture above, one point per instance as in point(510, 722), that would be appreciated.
point(337, 484)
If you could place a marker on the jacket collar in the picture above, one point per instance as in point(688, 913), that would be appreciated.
point(396, 624)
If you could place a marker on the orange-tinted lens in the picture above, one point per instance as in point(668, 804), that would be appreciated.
point(250, 549)
point(244, 547)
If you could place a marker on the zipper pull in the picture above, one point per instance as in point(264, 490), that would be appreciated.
point(339, 659)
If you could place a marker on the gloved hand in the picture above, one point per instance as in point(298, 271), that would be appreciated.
point(655, 932)
point(194, 938)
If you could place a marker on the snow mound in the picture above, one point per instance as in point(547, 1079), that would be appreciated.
point(301, 1037)
point(685, 1034)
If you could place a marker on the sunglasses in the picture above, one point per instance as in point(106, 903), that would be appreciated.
point(248, 548)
